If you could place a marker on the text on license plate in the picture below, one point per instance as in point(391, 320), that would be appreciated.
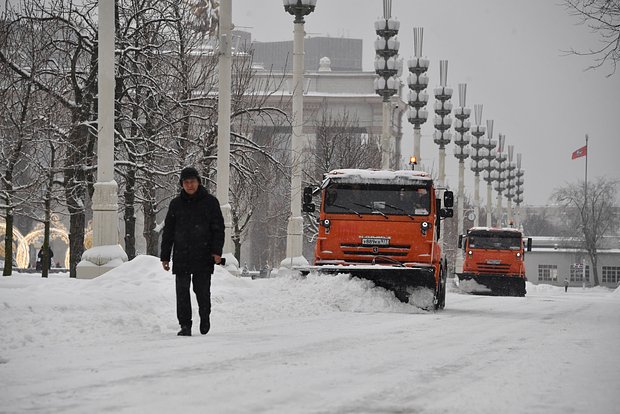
point(376, 241)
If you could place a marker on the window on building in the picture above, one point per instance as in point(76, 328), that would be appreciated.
point(576, 273)
point(548, 272)
point(611, 274)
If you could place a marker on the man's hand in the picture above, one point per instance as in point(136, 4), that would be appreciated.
point(165, 265)
point(217, 259)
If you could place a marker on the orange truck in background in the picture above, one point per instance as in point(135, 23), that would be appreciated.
point(383, 226)
point(494, 261)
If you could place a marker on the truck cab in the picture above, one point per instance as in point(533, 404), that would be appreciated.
point(494, 261)
point(383, 226)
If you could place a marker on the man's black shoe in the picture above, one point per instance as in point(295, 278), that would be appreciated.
point(185, 331)
point(205, 325)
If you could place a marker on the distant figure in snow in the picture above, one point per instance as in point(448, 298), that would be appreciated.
point(565, 285)
point(39, 263)
point(194, 236)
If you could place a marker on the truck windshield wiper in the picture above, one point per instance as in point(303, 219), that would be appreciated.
point(372, 209)
point(399, 209)
point(346, 208)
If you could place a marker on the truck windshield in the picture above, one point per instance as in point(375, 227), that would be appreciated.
point(494, 242)
point(378, 198)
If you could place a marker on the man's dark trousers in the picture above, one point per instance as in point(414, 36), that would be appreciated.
point(202, 289)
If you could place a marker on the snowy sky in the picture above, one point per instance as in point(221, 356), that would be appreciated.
point(510, 54)
point(301, 345)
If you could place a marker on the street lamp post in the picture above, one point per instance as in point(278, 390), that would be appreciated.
point(294, 237)
point(489, 156)
point(388, 66)
point(518, 190)
point(477, 144)
point(461, 152)
point(443, 121)
point(106, 252)
point(499, 175)
point(418, 98)
point(223, 128)
point(510, 183)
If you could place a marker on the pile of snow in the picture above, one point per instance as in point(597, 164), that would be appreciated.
point(138, 299)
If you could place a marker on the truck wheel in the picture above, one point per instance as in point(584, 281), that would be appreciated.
point(441, 292)
point(442, 297)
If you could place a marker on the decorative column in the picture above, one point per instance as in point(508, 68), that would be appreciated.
point(388, 67)
point(489, 156)
point(461, 152)
point(510, 184)
point(106, 252)
point(418, 98)
point(477, 144)
point(518, 190)
point(443, 121)
point(294, 236)
point(223, 129)
point(499, 176)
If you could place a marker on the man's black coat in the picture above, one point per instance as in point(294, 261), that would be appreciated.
point(193, 232)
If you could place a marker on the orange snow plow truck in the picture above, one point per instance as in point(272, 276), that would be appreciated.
point(383, 226)
point(494, 261)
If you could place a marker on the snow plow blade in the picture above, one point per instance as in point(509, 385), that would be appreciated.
point(414, 285)
point(492, 284)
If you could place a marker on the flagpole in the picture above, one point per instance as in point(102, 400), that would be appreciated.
point(585, 199)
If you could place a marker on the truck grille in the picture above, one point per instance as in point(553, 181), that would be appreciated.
point(493, 268)
point(371, 251)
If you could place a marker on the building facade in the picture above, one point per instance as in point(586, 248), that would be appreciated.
point(554, 259)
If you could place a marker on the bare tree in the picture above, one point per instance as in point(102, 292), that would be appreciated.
point(603, 18)
point(593, 217)
point(539, 224)
point(20, 118)
point(67, 52)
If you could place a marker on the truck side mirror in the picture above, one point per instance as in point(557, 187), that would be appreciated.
point(307, 205)
point(448, 199)
point(460, 243)
point(529, 244)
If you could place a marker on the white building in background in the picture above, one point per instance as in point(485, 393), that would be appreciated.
point(554, 259)
point(340, 92)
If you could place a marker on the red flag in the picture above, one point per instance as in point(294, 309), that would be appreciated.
point(581, 152)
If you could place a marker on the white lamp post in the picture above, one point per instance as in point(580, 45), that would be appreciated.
point(519, 181)
point(489, 156)
point(461, 152)
point(106, 253)
point(443, 121)
point(510, 183)
point(389, 67)
point(499, 176)
point(294, 236)
point(477, 145)
point(223, 128)
point(418, 98)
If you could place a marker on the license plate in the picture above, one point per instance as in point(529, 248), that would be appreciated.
point(375, 241)
point(494, 262)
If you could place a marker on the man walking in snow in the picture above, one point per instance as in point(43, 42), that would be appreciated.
point(194, 235)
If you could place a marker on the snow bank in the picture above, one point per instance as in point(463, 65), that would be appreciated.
point(138, 299)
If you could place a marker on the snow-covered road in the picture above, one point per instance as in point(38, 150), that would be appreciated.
point(290, 345)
